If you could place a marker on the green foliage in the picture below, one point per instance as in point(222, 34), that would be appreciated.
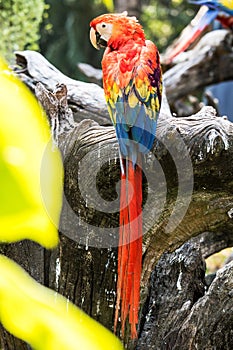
point(30, 170)
point(163, 20)
point(67, 42)
point(19, 25)
point(45, 319)
point(31, 177)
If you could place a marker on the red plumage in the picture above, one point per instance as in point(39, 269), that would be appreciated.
point(130, 248)
point(133, 86)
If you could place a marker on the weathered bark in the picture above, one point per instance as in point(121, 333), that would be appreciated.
point(181, 312)
point(187, 191)
point(82, 97)
point(211, 59)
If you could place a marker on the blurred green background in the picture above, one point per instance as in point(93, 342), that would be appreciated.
point(67, 40)
point(59, 29)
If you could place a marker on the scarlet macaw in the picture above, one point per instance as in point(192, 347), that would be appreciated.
point(132, 83)
point(215, 9)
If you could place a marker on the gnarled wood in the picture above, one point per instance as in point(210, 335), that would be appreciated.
point(187, 191)
point(182, 313)
point(211, 59)
point(82, 97)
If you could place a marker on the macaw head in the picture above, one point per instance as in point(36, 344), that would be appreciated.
point(113, 30)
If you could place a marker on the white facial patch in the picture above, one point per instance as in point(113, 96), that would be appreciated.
point(105, 30)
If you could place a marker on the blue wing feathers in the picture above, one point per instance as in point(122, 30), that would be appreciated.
point(136, 109)
point(138, 137)
point(135, 129)
point(213, 4)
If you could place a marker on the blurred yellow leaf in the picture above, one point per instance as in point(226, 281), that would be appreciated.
point(109, 5)
point(45, 319)
point(30, 167)
point(31, 192)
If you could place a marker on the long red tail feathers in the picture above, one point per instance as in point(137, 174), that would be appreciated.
point(130, 248)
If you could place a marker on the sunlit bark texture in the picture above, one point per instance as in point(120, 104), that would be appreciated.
point(188, 215)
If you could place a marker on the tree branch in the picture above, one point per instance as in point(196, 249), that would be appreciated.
point(187, 191)
point(181, 312)
point(211, 59)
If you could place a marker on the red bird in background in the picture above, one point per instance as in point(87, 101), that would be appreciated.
point(210, 10)
point(132, 83)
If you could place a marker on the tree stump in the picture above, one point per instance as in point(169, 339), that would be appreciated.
point(188, 212)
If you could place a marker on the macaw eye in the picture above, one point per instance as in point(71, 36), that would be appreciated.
point(105, 30)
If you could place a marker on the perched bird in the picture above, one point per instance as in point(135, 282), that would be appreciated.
point(221, 10)
point(132, 83)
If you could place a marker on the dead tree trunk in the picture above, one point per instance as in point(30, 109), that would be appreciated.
point(211, 59)
point(188, 192)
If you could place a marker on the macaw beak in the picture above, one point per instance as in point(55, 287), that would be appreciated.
point(96, 39)
point(93, 38)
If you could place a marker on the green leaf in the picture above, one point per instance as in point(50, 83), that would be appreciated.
point(45, 319)
point(31, 170)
